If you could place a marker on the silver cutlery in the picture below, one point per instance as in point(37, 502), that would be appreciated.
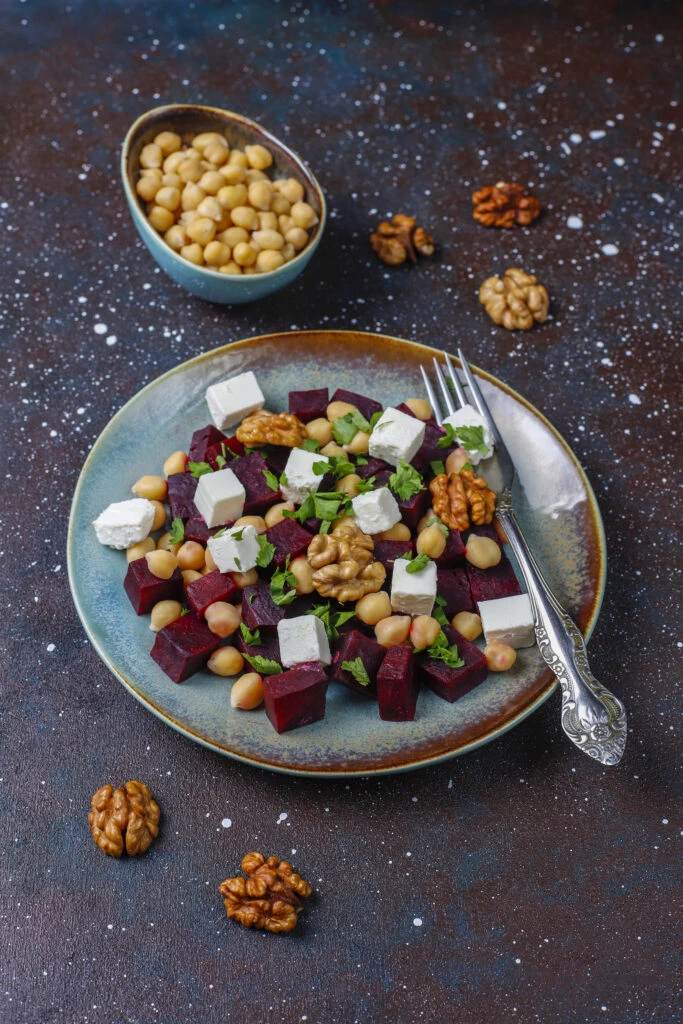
point(592, 717)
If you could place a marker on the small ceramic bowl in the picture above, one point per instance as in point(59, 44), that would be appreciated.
point(188, 120)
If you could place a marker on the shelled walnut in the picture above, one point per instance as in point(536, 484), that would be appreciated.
point(504, 205)
point(269, 897)
point(127, 815)
point(262, 427)
point(515, 300)
point(462, 499)
point(400, 240)
point(343, 565)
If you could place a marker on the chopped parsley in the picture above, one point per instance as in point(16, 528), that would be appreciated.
point(442, 651)
point(345, 428)
point(374, 418)
point(266, 551)
point(417, 563)
point(438, 612)
point(435, 521)
point(264, 666)
point(449, 440)
point(249, 637)
point(198, 469)
point(271, 480)
point(365, 485)
point(311, 445)
point(225, 454)
point(337, 464)
point(357, 670)
point(238, 534)
point(405, 481)
point(283, 585)
point(176, 534)
point(328, 506)
point(330, 620)
point(470, 438)
point(437, 467)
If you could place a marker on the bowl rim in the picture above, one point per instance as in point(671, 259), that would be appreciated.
point(237, 280)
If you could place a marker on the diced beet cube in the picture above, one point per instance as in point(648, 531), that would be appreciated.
point(214, 586)
point(289, 538)
point(398, 685)
point(276, 456)
point(412, 509)
point(309, 405)
point(387, 551)
point(454, 552)
point(348, 647)
point(184, 646)
point(406, 409)
point(196, 529)
point(498, 581)
point(267, 647)
point(429, 450)
point(258, 607)
point(453, 586)
point(372, 468)
point(250, 470)
point(144, 589)
point(296, 697)
point(202, 440)
point(366, 406)
point(223, 449)
point(181, 488)
point(452, 683)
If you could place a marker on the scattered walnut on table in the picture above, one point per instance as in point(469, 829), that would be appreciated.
point(269, 897)
point(284, 429)
point(343, 565)
point(515, 300)
point(400, 240)
point(127, 815)
point(504, 205)
point(462, 499)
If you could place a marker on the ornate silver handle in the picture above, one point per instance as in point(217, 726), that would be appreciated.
point(592, 717)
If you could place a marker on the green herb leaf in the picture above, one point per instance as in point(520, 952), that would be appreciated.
point(437, 467)
point(472, 439)
point(320, 468)
point(264, 666)
point(226, 453)
point(238, 534)
point(176, 534)
point(330, 620)
point(449, 440)
point(271, 480)
point(266, 551)
point(376, 416)
point(283, 479)
point(435, 521)
point(219, 533)
point(345, 428)
point(438, 612)
point(311, 445)
point(467, 465)
point(282, 579)
point(338, 464)
point(253, 639)
point(416, 564)
point(406, 481)
point(198, 469)
point(366, 485)
point(357, 670)
point(183, 611)
point(361, 460)
point(441, 650)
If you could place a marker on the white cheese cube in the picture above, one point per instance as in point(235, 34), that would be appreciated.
point(469, 417)
point(301, 639)
point(299, 475)
point(509, 619)
point(219, 497)
point(236, 550)
point(376, 511)
point(413, 593)
point(396, 437)
point(124, 523)
point(231, 400)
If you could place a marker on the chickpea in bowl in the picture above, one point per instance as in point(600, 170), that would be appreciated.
point(226, 209)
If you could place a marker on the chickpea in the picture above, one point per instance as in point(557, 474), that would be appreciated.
point(291, 189)
point(245, 217)
point(194, 253)
point(210, 207)
point(191, 555)
point(335, 410)
point(359, 443)
point(268, 260)
point(260, 194)
point(176, 237)
point(204, 139)
point(165, 544)
point(267, 239)
point(232, 173)
point(258, 157)
point(258, 522)
point(398, 532)
point(279, 203)
point(147, 188)
point(190, 169)
point(429, 515)
point(164, 612)
point(288, 252)
point(202, 230)
point(175, 463)
point(244, 579)
point(190, 575)
point(320, 430)
point(209, 562)
point(304, 215)
point(211, 182)
point(244, 254)
point(332, 449)
point(467, 624)
point(231, 196)
point(431, 541)
point(372, 608)
point(172, 181)
point(222, 618)
point(247, 692)
point(159, 516)
point(233, 236)
point(173, 162)
point(348, 485)
point(455, 460)
point(285, 223)
point(217, 153)
point(151, 155)
point(154, 488)
point(274, 514)
point(161, 564)
point(499, 656)
point(230, 268)
point(303, 572)
point(482, 551)
point(168, 197)
point(226, 661)
point(421, 408)
point(140, 549)
point(216, 254)
point(238, 157)
point(297, 237)
point(424, 631)
point(168, 142)
point(393, 630)
point(160, 218)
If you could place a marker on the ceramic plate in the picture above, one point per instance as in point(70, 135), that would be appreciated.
point(555, 504)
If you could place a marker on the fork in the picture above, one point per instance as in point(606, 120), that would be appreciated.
point(592, 717)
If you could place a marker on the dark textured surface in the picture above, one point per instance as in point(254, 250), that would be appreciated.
point(523, 882)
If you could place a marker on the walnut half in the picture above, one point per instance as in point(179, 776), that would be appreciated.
point(343, 565)
point(515, 300)
point(462, 499)
point(284, 429)
point(401, 240)
point(125, 815)
point(269, 897)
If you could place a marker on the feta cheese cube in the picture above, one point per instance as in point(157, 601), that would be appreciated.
point(299, 475)
point(413, 593)
point(124, 523)
point(509, 619)
point(301, 639)
point(231, 400)
point(396, 436)
point(236, 550)
point(469, 417)
point(376, 511)
point(219, 497)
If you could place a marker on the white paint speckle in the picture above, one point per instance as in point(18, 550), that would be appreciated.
point(50, 648)
point(100, 328)
point(597, 134)
point(111, 339)
point(226, 822)
point(575, 222)
point(417, 921)
point(634, 400)
point(283, 817)
point(619, 161)
point(575, 138)
point(609, 249)
point(656, 196)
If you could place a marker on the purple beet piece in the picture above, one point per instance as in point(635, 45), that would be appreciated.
point(202, 440)
point(348, 647)
point(258, 607)
point(223, 449)
point(453, 586)
point(196, 529)
point(214, 586)
point(181, 488)
point(296, 697)
point(184, 646)
point(454, 552)
point(387, 551)
point(144, 589)
point(373, 467)
point(276, 456)
point(412, 509)
point(453, 683)
point(250, 470)
point(309, 405)
point(267, 647)
point(429, 450)
point(289, 538)
point(398, 685)
point(366, 406)
point(498, 581)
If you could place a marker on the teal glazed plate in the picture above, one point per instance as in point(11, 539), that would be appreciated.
point(555, 503)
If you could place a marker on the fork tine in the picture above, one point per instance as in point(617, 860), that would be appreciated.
point(457, 386)
point(445, 390)
point(431, 394)
point(482, 407)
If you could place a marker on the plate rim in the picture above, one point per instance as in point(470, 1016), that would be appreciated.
point(550, 684)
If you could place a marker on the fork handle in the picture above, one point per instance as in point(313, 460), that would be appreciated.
point(592, 717)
